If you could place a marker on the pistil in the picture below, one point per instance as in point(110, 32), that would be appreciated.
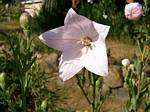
point(86, 41)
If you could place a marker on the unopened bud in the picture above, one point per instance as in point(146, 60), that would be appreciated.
point(131, 66)
point(25, 20)
point(125, 62)
point(133, 11)
point(2, 80)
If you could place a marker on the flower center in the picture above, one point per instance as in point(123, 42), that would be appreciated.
point(86, 41)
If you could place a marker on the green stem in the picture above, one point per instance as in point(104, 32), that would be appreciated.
point(24, 101)
point(23, 92)
point(141, 75)
point(81, 87)
point(85, 95)
point(140, 46)
point(94, 92)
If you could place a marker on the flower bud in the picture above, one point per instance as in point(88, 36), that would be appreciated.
point(2, 80)
point(125, 62)
point(25, 20)
point(133, 11)
point(131, 66)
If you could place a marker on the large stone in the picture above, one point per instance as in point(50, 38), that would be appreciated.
point(115, 78)
point(122, 93)
point(48, 62)
point(105, 89)
point(52, 60)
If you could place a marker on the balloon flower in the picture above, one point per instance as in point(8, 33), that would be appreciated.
point(82, 43)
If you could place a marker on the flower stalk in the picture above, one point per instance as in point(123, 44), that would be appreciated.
point(94, 97)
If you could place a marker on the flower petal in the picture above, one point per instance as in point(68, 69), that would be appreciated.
point(95, 60)
point(69, 65)
point(102, 30)
point(60, 39)
point(72, 32)
point(80, 22)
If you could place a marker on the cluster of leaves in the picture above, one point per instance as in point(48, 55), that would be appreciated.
point(24, 86)
point(91, 86)
point(10, 11)
point(137, 82)
point(138, 87)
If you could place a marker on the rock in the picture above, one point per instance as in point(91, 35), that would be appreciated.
point(115, 78)
point(122, 93)
point(105, 89)
point(113, 92)
point(48, 62)
point(52, 61)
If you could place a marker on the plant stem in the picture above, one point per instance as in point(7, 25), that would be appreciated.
point(94, 92)
point(85, 94)
point(24, 101)
point(83, 91)
point(94, 101)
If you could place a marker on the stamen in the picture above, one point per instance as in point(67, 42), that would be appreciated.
point(86, 41)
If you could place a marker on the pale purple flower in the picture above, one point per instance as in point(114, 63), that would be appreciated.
point(82, 43)
point(133, 11)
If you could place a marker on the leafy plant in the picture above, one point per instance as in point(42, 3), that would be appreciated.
point(91, 86)
point(25, 84)
point(135, 79)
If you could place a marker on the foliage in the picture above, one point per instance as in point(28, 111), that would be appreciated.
point(135, 78)
point(107, 12)
point(111, 13)
point(91, 86)
point(25, 84)
point(9, 12)
point(138, 87)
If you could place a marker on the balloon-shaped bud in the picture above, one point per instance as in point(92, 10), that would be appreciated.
point(133, 11)
point(125, 62)
point(25, 20)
